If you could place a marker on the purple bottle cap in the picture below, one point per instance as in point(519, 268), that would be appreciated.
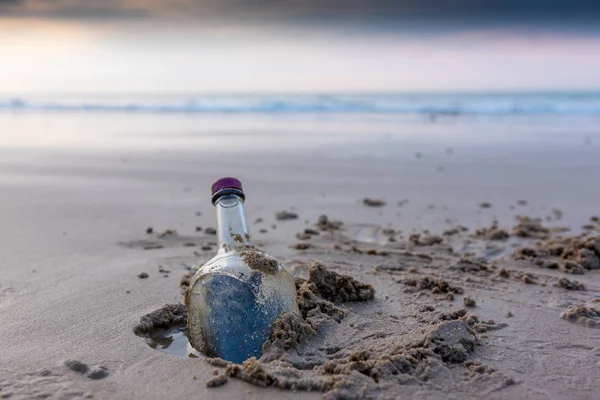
point(226, 183)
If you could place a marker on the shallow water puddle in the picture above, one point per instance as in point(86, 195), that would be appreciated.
point(174, 342)
point(165, 330)
point(366, 233)
point(493, 250)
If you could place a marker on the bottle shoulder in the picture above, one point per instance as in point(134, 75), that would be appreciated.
point(242, 263)
point(261, 274)
point(242, 259)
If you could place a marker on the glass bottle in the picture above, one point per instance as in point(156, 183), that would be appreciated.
point(236, 296)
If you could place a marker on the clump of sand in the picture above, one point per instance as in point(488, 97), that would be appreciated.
point(578, 254)
point(473, 265)
point(288, 331)
point(436, 285)
point(492, 233)
point(168, 317)
point(582, 314)
point(528, 227)
point(302, 246)
point(370, 252)
point(426, 240)
point(336, 287)
point(307, 234)
point(326, 224)
point(585, 252)
point(260, 261)
point(570, 285)
point(167, 233)
point(285, 215)
point(315, 296)
point(370, 202)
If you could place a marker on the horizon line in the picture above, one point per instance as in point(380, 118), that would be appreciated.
point(307, 92)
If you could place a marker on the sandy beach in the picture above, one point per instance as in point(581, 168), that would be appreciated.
point(481, 251)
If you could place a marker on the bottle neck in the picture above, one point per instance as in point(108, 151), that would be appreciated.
point(232, 229)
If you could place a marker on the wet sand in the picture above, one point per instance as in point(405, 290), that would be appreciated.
point(75, 243)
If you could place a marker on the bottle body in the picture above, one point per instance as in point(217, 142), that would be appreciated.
point(231, 307)
point(234, 299)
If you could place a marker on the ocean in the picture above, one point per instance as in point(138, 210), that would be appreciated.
point(453, 150)
point(551, 103)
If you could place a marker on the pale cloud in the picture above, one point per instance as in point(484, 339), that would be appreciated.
point(76, 58)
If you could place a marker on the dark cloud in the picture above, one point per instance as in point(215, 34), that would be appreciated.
point(74, 9)
point(559, 12)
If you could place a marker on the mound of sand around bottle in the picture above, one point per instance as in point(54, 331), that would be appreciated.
point(378, 351)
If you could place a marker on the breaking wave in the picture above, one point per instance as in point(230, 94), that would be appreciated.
point(442, 104)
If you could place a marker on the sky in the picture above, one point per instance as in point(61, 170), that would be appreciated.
point(168, 46)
